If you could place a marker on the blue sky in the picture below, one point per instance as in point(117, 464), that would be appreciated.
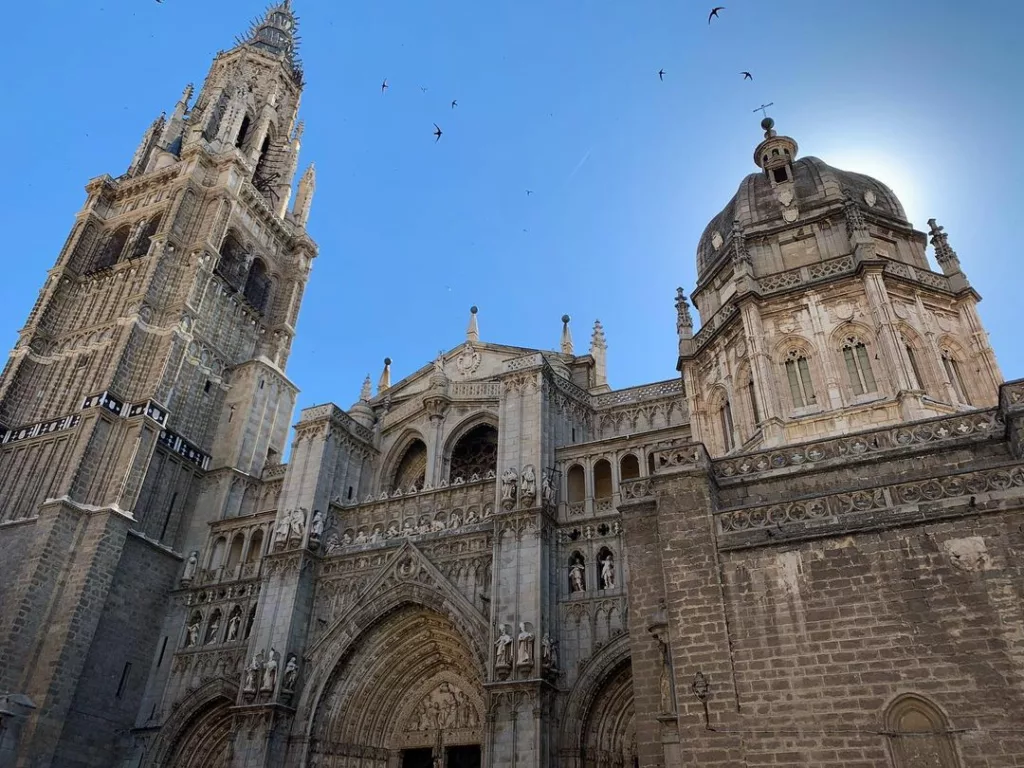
point(561, 98)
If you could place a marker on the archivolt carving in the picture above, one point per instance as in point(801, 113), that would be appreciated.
point(197, 734)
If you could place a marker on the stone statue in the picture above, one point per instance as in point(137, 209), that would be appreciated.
point(192, 633)
point(270, 673)
point(252, 673)
point(212, 629)
point(547, 491)
point(234, 623)
point(297, 524)
point(503, 654)
point(508, 485)
point(281, 531)
point(346, 539)
point(578, 575)
point(361, 537)
point(190, 567)
point(316, 527)
point(525, 655)
point(392, 531)
point(529, 484)
point(291, 673)
point(608, 572)
point(548, 652)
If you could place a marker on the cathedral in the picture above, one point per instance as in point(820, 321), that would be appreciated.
point(806, 549)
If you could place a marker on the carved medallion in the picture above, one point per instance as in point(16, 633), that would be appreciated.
point(785, 195)
point(468, 360)
point(716, 240)
point(869, 198)
point(790, 214)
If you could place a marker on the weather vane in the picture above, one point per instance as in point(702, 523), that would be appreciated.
point(763, 109)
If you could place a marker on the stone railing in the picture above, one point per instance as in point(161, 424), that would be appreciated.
point(427, 511)
point(890, 502)
point(1011, 395)
point(980, 424)
point(633, 490)
point(716, 321)
point(526, 361)
point(923, 276)
point(475, 390)
point(274, 471)
point(781, 281)
point(679, 455)
point(402, 411)
point(638, 394)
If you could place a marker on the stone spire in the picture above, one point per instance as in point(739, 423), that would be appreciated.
point(599, 351)
point(472, 330)
point(566, 336)
point(276, 32)
point(367, 391)
point(361, 410)
point(150, 141)
point(944, 254)
point(304, 197)
point(384, 383)
point(684, 320)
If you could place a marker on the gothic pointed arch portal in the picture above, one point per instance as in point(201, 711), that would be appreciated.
point(410, 684)
point(608, 738)
point(199, 736)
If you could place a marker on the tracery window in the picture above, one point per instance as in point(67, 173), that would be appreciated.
point(112, 248)
point(858, 366)
point(257, 286)
point(476, 453)
point(412, 469)
point(955, 376)
point(141, 245)
point(798, 373)
point(231, 265)
point(916, 380)
point(918, 735)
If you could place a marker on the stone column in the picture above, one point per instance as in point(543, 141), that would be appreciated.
point(761, 369)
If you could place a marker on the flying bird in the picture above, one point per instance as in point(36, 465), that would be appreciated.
point(714, 12)
point(423, 88)
point(529, 192)
point(384, 86)
point(661, 74)
point(747, 76)
point(454, 103)
point(437, 133)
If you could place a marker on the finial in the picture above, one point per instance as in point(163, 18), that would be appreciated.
point(366, 392)
point(473, 329)
point(684, 320)
point(597, 338)
point(944, 254)
point(186, 95)
point(384, 383)
point(300, 128)
point(566, 336)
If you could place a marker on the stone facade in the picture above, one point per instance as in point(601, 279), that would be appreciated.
point(806, 550)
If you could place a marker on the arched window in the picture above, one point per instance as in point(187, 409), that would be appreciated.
point(602, 480)
point(475, 454)
point(858, 366)
point(257, 286)
point(216, 115)
point(243, 132)
point(577, 484)
point(798, 373)
point(217, 555)
point(916, 380)
point(255, 547)
point(755, 412)
point(231, 264)
point(918, 734)
point(629, 467)
point(112, 248)
point(725, 424)
point(141, 246)
point(261, 164)
point(955, 376)
point(235, 553)
point(411, 472)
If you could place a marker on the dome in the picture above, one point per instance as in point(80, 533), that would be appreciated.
point(814, 184)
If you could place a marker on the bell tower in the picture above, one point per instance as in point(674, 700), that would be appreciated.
point(146, 391)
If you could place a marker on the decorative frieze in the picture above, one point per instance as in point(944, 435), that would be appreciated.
point(981, 424)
